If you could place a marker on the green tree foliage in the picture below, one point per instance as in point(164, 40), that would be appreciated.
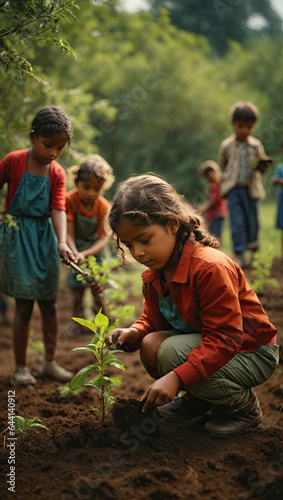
point(145, 94)
point(26, 23)
point(26, 29)
point(221, 20)
point(171, 104)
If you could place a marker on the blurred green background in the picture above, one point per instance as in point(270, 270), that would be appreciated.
point(148, 90)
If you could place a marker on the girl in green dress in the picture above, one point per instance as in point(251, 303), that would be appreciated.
point(34, 236)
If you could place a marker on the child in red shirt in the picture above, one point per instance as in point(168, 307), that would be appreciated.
point(202, 329)
point(215, 209)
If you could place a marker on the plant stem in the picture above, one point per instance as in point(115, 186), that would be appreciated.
point(102, 387)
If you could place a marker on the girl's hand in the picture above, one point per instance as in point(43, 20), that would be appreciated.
point(96, 288)
point(80, 258)
point(66, 253)
point(127, 337)
point(162, 391)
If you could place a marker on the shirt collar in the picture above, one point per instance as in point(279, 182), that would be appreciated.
point(252, 141)
point(182, 271)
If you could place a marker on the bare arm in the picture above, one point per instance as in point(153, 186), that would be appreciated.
point(97, 246)
point(206, 206)
point(71, 236)
point(59, 221)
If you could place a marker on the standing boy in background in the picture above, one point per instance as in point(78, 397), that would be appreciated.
point(242, 160)
point(215, 208)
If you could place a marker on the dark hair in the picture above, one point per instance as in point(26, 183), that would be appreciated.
point(95, 165)
point(148, 199)
point(207, 170)
point(50, 121)
point(244, 110)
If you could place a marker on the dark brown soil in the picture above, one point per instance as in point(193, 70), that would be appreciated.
point(129, 458)
point(128, 412)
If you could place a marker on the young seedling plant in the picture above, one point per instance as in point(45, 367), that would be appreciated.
point(105, 358)
point(66, 391)
point(24, 425)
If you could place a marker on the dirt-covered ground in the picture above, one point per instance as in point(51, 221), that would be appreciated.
point(79, 458)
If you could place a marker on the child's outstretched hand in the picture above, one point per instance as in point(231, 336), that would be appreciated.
point(96, 288)
point(121, 337)
point(66, 253)
point(162, 391)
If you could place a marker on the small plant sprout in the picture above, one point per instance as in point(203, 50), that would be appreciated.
point(24, 425)
point(66, 391)
point(105, 358)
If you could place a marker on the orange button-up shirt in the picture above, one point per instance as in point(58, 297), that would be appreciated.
point(212, 295)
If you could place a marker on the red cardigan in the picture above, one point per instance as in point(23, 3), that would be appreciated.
point(12, 168)
point(211, 294)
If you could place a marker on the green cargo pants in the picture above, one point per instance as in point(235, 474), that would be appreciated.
point(231, 384)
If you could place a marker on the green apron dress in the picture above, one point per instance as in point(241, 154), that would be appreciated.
point(85, 236)
point(29, 259)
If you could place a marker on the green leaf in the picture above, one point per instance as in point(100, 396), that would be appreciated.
point(85, 322)
point(76, 349)
point(79, 379)
point(96, 409)
point(101, 320)
point(116, 363)
point(100, 381)
point(113, 351)
point(93, 347)
point(39, 426)
point(94, 380)
point(115, 380)
point(108, 400)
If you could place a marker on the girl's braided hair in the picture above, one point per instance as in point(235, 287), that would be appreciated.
point(148, 199)
point(50, 121)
